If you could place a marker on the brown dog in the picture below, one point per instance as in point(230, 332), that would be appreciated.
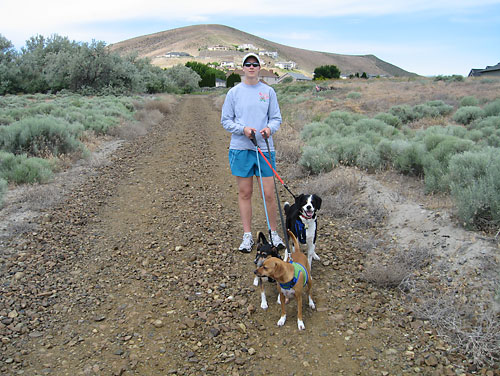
point(291, 277)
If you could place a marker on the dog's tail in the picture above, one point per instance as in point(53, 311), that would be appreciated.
point(291, 236)
point(286, 207)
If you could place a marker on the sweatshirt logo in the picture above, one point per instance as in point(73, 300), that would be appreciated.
point(263, 97)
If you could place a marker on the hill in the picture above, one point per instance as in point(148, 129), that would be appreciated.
point(198, 40)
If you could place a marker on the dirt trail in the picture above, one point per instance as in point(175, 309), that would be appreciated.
point(138, 273)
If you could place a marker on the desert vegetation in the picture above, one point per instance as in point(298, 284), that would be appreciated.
point(452, 144)
point(442, 135)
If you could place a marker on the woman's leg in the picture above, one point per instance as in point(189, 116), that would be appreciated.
point(245, 190)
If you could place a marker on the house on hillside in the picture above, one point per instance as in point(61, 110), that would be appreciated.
point(271, 54)
point(218, 47)
point(219, 82)
point(294, 76)
point(286, 65)
point(488, 71)
point(246, 47)
point(227, 64)
point(177, 54)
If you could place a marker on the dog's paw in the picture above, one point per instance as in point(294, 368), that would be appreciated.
point(311, 304)
point(316, 257)
point(264, 305)
point(256, 281)
point(279, 300)
point(300, 325)
point(282, 321)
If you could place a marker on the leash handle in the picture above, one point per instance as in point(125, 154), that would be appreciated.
point(254, 141)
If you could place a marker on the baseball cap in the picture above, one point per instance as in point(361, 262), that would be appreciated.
point(251, 54)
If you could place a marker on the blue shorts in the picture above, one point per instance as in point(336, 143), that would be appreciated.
point(243, 163)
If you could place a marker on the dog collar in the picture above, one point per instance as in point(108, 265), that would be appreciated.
point(298, 268)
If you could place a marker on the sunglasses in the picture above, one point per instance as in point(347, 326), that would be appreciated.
point(255, 65)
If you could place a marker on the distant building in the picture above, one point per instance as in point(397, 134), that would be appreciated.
point(286, 65)
point(488, 71)
point(294, 76)
point(271, 54)
point(227, 64)
point(218, 47)
point(219, 82)
point(247, 46)
point(177, 54)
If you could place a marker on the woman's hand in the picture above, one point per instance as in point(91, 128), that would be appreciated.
point(247, 131)
point(266, 132)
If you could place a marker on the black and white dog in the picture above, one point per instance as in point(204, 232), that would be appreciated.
point(264, 250)
point(301, 219)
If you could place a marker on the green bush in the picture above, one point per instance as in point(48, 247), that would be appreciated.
point(475, 187)
point(389, 119)
point(354, 95)
point(20, 169)
point(492, 109)
point(469, 101)
point(408, 157)
point(41, 136)
point(404, 112)
point(317, 160)
point(467, 114)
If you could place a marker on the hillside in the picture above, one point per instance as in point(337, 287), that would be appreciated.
point(195, 41)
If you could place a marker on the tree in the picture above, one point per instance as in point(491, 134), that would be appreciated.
point(232, 79)
point(326, 72)
point(9, 71)
point(183, 78)
point(207, 74)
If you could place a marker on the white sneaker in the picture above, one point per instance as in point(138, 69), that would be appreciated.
point(277, 242)
point(247, 243)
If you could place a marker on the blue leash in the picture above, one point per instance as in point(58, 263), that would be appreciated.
point(262, 186)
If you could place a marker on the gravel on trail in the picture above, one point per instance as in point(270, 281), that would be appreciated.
point(136, 272)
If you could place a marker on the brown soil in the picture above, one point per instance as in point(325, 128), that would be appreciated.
point(136, 271)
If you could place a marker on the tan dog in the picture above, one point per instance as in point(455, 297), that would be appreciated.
point(291, 277)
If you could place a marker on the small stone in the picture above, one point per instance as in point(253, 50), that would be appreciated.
point(158, 323)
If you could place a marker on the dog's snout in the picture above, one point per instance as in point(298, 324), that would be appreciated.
point(308, 207)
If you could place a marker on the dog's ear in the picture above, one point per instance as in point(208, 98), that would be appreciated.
point(299, 199)
point(262, 238)
point(317, 202)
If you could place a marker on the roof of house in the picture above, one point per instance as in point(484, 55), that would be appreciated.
point(297, 76)
point(491, 68)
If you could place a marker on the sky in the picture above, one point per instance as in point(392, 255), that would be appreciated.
point(427, 37)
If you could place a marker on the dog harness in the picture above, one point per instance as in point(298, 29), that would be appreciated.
point(298, 268)
point(300, 229)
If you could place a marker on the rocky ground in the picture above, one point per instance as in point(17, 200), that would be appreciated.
point(135, 271)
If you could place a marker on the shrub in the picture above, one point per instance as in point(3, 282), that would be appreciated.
point(389, 119)
point(20, 169)
point(39, 136)
point(467, 114)
point(404, 112)
point(469, 101)
point(492, 109)
point(317, 160)
point(408, 157)
point(354, 95)
point(475, 187)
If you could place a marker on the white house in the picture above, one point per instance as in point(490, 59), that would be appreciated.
point(271, 54)
point(177, 54)
point(219, 82)
point(227, 64)
point(218, 47)
point(247, 46)
point(286, 65)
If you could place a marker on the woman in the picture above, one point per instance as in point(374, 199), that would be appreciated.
point(252, 107)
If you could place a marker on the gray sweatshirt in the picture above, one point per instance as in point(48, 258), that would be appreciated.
point(253, 106)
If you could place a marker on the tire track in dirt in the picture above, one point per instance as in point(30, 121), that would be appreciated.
point(148, 279)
